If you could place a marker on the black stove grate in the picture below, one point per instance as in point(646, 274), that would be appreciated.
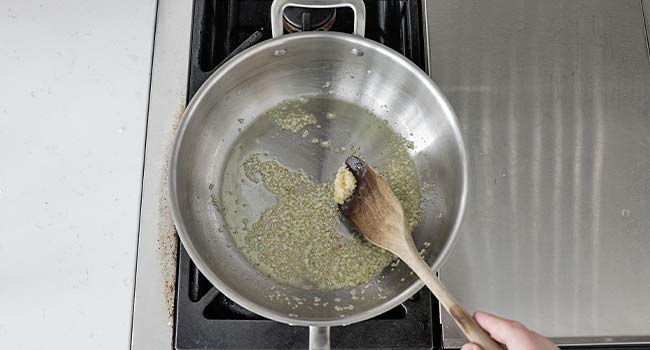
point(207, 319)
point(220, 26)
point(215, 322)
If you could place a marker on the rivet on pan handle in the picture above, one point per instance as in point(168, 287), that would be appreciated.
point(357, 6)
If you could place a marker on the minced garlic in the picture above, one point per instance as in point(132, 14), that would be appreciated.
point(296, 241)
point(299, 240)
point(344, 184)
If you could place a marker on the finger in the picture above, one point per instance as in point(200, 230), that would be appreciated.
point(501, 329)
point(470, 346)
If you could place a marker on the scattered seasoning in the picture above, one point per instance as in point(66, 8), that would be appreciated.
point(343, 308)
point(215, 202)
point(291, 115)
point(296, 242)
point(402, 177)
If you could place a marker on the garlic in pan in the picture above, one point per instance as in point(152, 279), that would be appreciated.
point(344, 184)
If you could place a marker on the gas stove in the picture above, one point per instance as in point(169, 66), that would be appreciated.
point(204, 317)
point(552, 100)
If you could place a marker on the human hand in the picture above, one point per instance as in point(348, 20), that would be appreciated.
point(512, 334)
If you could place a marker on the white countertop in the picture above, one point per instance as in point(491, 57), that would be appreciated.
point(73, 109)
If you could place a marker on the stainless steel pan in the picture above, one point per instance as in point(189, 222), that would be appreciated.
point(344, 70)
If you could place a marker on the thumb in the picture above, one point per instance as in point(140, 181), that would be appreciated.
point(501, 329)
point(471, 346)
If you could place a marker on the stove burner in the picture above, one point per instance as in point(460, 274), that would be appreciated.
point(298, 19)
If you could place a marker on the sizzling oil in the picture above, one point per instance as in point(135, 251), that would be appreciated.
point(295, 236)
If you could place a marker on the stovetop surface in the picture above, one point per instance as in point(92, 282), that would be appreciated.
point(207, 319)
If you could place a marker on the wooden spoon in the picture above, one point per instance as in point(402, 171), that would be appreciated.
point(375, 211)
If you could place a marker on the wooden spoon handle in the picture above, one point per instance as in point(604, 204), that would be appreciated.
point(465, 321)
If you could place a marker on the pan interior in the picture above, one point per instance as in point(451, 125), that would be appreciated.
point(226, 122)
point(335, 130)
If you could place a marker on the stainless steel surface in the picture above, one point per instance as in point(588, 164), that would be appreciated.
point(346, 71)
point(319, 338)
point(615, 343)
point(153, 307)
point(645, 6)
point(553, 99)
point(357, 6)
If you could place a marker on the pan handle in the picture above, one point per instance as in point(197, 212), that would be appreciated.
point(319, 338)
point(357, 6)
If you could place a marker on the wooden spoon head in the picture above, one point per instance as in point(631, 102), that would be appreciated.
point(374, 209)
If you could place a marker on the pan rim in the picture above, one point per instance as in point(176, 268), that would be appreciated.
point(189, 112)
